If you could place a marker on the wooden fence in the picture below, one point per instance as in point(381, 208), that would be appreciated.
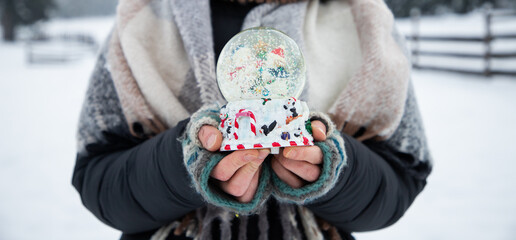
point(37, 50)
point(486, 40)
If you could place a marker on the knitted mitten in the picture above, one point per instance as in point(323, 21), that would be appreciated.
point(201, 162)
point(334, 159)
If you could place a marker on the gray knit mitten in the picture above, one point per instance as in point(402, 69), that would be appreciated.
point(201, 162)
point(334, 159)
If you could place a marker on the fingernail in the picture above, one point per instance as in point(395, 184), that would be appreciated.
point(249, 157)
point(263, 154)
point(211, 140)
point(321, 131)
point(292, 153)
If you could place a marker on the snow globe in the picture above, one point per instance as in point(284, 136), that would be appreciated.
point(261, 73)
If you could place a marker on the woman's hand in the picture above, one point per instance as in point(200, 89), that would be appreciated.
point(239, 171)
point(298, 165)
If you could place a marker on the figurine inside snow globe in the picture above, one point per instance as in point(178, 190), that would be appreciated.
point(261, 73)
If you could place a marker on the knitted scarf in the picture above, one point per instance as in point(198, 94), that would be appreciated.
point(164, 73)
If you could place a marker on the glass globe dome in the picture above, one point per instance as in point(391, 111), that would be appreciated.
point(260, 63)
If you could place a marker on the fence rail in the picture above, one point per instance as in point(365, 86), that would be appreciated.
point(487, 40)
point(465, 55)
point(38, 50)
point(460, 38)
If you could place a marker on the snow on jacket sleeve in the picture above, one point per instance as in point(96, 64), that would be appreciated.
point(131, 184)
point(381, 179)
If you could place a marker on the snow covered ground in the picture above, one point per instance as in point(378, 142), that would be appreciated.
point(469, 122)
point(39, 106)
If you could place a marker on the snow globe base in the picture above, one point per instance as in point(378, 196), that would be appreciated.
point(264, 123)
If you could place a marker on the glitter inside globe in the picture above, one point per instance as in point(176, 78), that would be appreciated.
point(260, 63)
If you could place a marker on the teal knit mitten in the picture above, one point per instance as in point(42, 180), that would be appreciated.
point(201, 162)
point(334, 159)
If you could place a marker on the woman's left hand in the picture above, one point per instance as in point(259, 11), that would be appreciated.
point(298, 165)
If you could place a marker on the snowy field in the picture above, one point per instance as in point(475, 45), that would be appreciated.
point(470, 123)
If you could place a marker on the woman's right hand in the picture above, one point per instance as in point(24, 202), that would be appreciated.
point(239, 171)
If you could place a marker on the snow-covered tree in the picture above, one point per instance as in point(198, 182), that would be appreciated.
point(19, 12)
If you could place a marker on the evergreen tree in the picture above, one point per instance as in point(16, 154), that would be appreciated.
point(22, 12)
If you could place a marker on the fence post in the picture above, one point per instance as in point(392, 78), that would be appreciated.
point(488, 16)
point(29, 51)
point(415, 15)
